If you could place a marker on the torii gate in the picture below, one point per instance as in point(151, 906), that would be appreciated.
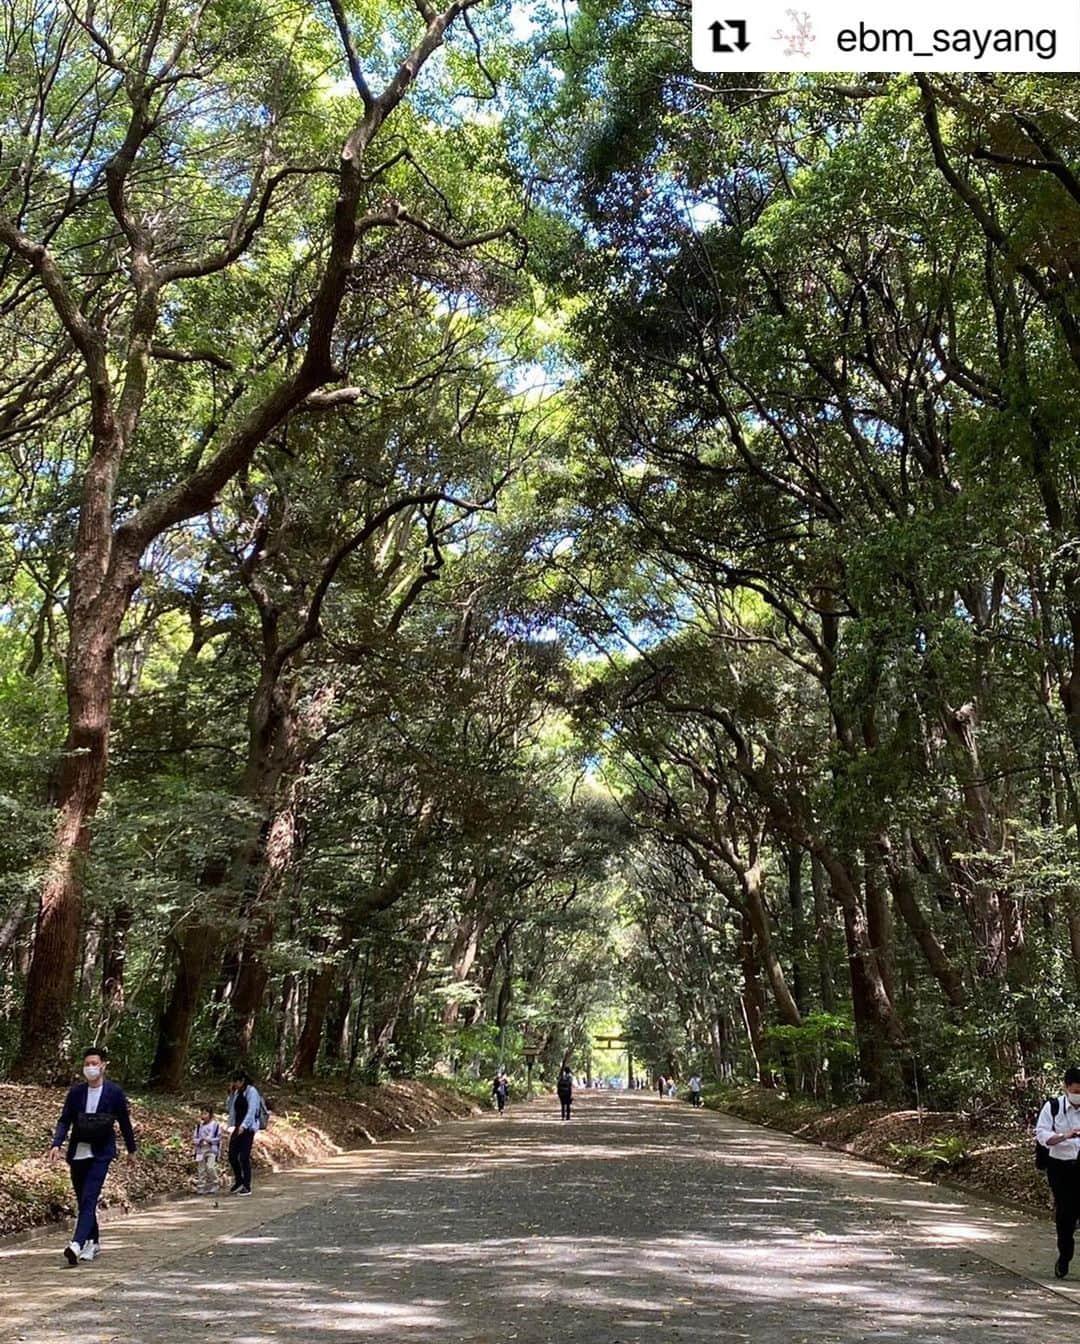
point(618, 1042)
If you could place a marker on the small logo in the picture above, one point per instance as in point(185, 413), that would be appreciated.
point(801, 35)
point(719, 35)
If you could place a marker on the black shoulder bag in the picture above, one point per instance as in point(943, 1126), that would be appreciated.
point(1042, 1153)
point(93, 1126)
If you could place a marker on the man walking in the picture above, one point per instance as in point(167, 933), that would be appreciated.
point(1058, 1130)
point(695, 1090)
point(91, 1111)
point(247, 1115)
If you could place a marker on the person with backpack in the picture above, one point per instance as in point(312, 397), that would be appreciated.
point(500, 1090)
point(1057, 1152)
point(247, 1115)
point(695, 1090)
point(91, 1112)
point(565, 1088)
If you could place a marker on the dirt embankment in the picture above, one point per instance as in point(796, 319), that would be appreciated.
point(306, 1124)
point(988, 1154)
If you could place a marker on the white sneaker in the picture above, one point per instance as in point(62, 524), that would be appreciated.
point(90, 1251)
point(72, 1251)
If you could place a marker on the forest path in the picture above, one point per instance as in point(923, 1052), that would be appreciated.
point(637, 1220)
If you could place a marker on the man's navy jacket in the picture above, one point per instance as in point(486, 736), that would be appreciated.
point(112, 1101)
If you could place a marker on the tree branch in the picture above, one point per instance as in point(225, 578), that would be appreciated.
point(463, 244)
point(217, 261)
point(1055, 166)
point(310, 629)
point(991, 228)
point(192, 357)
point(351, 55)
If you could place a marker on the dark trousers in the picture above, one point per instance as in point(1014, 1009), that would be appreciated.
point(695, 1098)
point(87, 1178)
point(565, 1103)
point(240, 1141)
point(1064, 1178)
point(500, 1101)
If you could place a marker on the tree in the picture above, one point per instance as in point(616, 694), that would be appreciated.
point(152, 82)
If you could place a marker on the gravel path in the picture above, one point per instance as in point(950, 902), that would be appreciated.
point(638, 1220)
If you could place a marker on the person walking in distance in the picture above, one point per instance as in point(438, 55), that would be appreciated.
point(247, 1115)
point(207, 1140)
point(1057, 1130)
point(695, 1090)
point(91, 1112)
point(661, 1086)
point(500, 1090)
point(565, 1088)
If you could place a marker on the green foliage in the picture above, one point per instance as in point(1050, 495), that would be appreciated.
point(824, 1036)
point(669, 628)
point(763, 1106)
point(944, 1152)
point(476, 1090)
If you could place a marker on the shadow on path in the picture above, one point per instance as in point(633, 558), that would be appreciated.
point(635, 1218)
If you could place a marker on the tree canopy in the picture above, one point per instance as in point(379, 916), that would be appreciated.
point(503, 534)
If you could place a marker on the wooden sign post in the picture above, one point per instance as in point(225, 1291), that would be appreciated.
point(530, 1052)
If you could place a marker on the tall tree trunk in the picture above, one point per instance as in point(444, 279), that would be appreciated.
point(979, 880)
point(286, 1023)
point(1072, 897)
point(320, 985)
point(407, 986)
point(91, 948)
point(252, 977)
point(878, 924)
point(195, 952)
point(753, 1005)
point(17, 925)
point(283, 842)
point(868, 1040)
point(359, 1010)
point(463, 951)
point(337, 1022)
point(794, 864)
point(97, 610)
point(870, 996)
point(114, 964)
point(753, 889)
point(822, 930)
point(502, 1006)
point(225, 980)
point(271, 719)
point(902, 886)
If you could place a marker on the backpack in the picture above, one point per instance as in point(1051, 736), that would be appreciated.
point(1042, 1155)
point(263, 1114)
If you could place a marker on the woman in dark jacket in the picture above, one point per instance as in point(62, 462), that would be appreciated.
point(565, 1089)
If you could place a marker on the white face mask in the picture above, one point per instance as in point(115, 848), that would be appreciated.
point(92, 1073)
point(1074, 1098)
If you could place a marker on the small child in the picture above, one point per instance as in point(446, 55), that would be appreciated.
point(207, 1138)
